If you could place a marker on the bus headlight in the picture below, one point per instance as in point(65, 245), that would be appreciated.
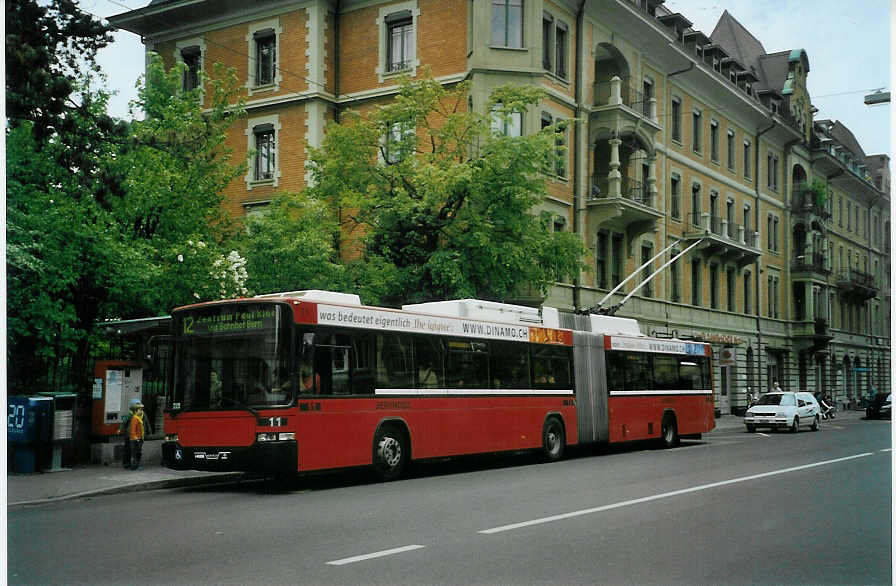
point(171, 437)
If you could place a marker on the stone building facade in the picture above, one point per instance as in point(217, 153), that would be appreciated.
point(680, 138)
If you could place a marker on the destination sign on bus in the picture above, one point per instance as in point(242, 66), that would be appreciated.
point(229, 319)
point(654, 345)
point(358, 317)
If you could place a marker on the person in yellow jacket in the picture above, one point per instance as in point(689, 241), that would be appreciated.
point(136, 433)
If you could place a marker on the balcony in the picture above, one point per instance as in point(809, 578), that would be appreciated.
point(812, 264)
point(624, 109)
point(812, 336)
point(857, 284)
point(632, 211)
point(726, 240)
point(808, 204)
point(830, 159)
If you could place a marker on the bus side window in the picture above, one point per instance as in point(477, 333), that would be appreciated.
point(615, 372)
point(467, 364)
point(551, 367)
point(393, 365)
point(429, 358)
point(691, 377)
point(510, 365)
point(362, 368)
point(665, 372)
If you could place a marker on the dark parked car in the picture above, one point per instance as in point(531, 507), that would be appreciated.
point(879, 407)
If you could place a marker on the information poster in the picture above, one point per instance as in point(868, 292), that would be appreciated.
point(114, 381)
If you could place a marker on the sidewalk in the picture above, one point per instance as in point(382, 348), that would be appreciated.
point(96, 479)
point(90, 480)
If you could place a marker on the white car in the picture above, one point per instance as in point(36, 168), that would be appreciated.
point(784, 410)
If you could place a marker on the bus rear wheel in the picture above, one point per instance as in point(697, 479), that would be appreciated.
point(553, 439)
point(390, 452)
point(669, 434)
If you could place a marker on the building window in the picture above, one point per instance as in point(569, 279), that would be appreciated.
point(772, 169)
point(554, 45)
point(747, 173)
point(714, 286)
point(772, 232)
point(729, 215)
point(849, 216)
point(698, 132)
point(618, 244)
point(262, 136)
point(265, 57)
point(840, 211)
point(265, 152)
point(731, 288)
point(400, 46)
point(696, 204)
point(603, 242)
point(559, 166)
point(676, 120)
point(675, 196)
point(748, 307)
point(647, 91)
point(192, 60)
point(676, 276)
point(646, 255)
point(547, 42)
point(696, 286)
point(714, 140)
point(398, 143)
point(561, 151)
point(731, 155)
point(508, 124)
point(562, 43)
point(507, 23)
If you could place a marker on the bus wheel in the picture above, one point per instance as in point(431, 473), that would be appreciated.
point(669, 435)
point(553, 439)
point(390, 452)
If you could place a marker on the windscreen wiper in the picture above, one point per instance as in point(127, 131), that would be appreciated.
point(241, 405)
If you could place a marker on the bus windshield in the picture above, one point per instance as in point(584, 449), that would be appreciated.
point(232, 357)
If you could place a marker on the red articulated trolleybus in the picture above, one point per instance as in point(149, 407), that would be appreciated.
point(313, 380)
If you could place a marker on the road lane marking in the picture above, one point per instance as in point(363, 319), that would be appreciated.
point(887, 450)
point(655, 497)
point(378, 554)
point(763, 434)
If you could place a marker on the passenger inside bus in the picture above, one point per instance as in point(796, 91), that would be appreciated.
point(428, 378)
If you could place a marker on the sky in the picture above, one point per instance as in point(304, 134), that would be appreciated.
point(847, 41)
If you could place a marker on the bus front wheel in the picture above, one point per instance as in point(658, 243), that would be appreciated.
point(390, 452)
point(553, 439)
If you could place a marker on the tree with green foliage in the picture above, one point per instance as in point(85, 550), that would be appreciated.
point(290, 247)
point(442, 204)
point(105, 219)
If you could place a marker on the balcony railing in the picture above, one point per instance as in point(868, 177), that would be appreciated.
point(605, 94)
point(721, 227)
point(805, 202)
point(814, 263)
point(856, 277)
point(630, 189)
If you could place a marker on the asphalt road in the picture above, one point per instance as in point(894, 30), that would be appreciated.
point(735, 508)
